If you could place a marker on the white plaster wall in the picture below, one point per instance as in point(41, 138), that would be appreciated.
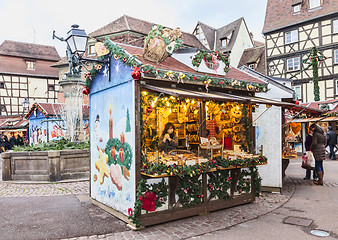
point(243, 41)
point(269, 134)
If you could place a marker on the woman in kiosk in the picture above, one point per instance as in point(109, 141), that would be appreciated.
point(168, 140)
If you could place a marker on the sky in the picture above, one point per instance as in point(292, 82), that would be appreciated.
point(33, 21)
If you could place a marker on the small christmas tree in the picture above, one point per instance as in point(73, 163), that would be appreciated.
point(128, 128)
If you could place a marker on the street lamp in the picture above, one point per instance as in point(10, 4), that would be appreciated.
point(76, 46)
point(77, 40)
point(25, 104)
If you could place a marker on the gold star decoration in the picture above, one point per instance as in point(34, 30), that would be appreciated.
point(101, 166)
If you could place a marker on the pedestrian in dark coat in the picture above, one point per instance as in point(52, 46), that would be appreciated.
point(331, 138)
point(308, 143)
point(6, 142)
point(2, 144)
point(12, 142)
point(318, 150)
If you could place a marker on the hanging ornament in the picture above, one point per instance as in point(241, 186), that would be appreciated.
point(207, 84)
point(136, 74)
point(85, 91)
point(88, 75)
point(149, 109)
point(101, 49)
point(180, 78)
point(98, 67)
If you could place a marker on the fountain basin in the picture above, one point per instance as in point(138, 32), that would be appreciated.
point(45, 165)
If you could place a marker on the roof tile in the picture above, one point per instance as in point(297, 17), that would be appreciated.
point(279, 14)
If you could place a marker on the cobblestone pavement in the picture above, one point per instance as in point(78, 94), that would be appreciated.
point(10, 189)
point(195, 226)
point(180, 229)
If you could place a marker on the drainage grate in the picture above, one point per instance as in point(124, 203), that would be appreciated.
point(320, 233)
point(304, 222)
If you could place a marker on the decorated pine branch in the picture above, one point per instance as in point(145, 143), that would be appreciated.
point(313, 59)
point(140, 70)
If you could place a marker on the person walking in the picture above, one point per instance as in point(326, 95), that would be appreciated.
point(2, 144)
point(308, 142)
point(318, 150)
point(331, 138)
point(6, 143)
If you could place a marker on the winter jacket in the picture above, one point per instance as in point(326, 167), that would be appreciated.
point(318, 144)
point(331, 137)
point(168, 146)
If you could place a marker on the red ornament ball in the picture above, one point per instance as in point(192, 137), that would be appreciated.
point(136, 74)
point(85, 91)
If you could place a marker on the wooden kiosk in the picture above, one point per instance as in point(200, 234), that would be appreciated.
point(129, 106)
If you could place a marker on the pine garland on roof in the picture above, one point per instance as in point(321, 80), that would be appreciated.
point(130, 60)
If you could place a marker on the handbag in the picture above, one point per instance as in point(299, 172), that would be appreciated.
point(311, 159)
point(306, 163)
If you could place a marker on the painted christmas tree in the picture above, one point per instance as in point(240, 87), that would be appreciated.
point(128, 128)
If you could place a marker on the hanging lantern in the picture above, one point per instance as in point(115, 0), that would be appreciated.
point(136, 74)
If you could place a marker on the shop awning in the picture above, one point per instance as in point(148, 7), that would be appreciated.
point(218, 96)
point(318, 119)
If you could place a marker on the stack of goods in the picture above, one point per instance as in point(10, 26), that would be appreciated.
point(289, 152)
point(212, 143)
point(238, 154)
point(178, 159)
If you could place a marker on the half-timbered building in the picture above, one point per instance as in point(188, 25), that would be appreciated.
point(292, 28)
point(25, 73)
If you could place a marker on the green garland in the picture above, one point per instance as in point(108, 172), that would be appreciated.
point(248, 145)
point(257, 180)
point(161, 191)
point(190, 191)
point(207, 56)
point(119, 53)
point(312, 59)
point(240, 163)
point(244, 183)
point(178, 170)
point(219, 183)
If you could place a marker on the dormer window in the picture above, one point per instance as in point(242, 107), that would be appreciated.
point(30, 65)
point(296, 8)
point(314, 4)
point(224, 42)
point(251, 65)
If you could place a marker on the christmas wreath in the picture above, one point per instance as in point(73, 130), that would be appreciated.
point(219, 183)
point(190, 191)
point(119, 153)
point(209, 56)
